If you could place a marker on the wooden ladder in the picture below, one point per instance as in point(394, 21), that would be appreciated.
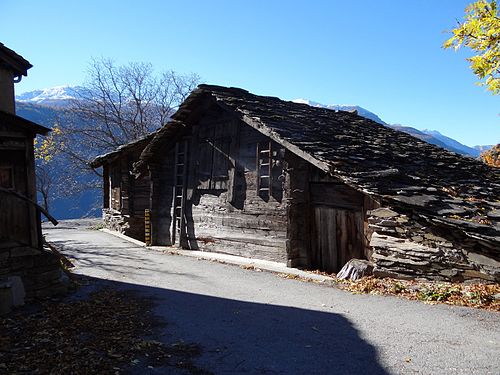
point(178, 230)
point(264, 160)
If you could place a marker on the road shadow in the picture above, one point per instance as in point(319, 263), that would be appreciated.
point(242, 337)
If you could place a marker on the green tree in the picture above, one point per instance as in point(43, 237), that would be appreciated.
point(480, 32)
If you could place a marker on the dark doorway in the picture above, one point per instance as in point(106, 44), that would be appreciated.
point(337, 226)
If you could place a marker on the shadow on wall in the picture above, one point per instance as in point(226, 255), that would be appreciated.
point(255, 338)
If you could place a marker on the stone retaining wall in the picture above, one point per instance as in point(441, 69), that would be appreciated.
point(132, 226)
point(408, 247)
point(39, 270)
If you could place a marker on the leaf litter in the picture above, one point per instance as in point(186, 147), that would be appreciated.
point(109, 332)
point(477, 295)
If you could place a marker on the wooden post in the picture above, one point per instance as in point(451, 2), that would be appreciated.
point(147, 227)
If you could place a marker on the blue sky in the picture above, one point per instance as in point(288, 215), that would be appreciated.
point(383, 55)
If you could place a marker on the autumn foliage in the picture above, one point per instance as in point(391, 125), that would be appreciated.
point(480, 32)
point(492, 156)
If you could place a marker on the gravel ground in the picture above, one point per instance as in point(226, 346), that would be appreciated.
point(258, 323)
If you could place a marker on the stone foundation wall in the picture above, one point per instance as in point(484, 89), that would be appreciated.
point(406, 246)
point(39, 270)
point(132, 226)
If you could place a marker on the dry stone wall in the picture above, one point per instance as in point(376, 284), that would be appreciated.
point(408, 246)
point(39, 270)
point(132, 226)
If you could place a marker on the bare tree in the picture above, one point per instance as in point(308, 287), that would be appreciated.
point(120, 104)
point(116, 105)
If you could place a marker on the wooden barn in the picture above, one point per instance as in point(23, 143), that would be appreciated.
point(125, 199)
point(260, 177)
point(24, 264)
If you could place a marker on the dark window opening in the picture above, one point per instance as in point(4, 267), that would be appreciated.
point(6, 178)
point(214, 163)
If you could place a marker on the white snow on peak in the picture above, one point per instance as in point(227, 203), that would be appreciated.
point(342, 107)
point(337, 107)
point(49, 94)
point(302, 101)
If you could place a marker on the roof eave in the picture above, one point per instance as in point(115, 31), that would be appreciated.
point(13, 61)
point(26, 124)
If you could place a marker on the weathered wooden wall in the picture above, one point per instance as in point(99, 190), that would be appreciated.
point(299, 224)
point(231, 207)
point(21, 252)
point(326, 219)
point(162, 182)
point(125, 198)
point(223, 210)
point(14, 213)
point(18, 220)
point(237, 219)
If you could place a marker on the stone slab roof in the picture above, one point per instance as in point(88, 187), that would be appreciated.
point(390, 165)
point(126, 148)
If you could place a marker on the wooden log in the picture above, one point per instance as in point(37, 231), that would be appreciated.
point(36, 205)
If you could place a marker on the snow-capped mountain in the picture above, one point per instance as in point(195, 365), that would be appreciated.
point(430, 136)
point(38, 105)
point(58, 96)
point(483, 148)
point(343, 107)
point(451, 142)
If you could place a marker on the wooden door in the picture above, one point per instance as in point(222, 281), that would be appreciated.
point(337, 237)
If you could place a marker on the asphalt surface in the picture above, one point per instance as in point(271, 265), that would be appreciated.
point(252, 322)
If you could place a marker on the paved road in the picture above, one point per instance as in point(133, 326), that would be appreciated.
point(252, 322)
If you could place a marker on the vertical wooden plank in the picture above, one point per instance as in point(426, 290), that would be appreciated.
point(192, 160)
point(315, 244)
point(347, 239)
point(33, 213)
point(105, 195)
point(233, 157)
point(323, 238)
point(124, 185)
point(182, 232)
point(340, 214)
point(319, 250)
point(333, 250)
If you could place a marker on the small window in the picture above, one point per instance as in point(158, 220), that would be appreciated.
point(6, 177)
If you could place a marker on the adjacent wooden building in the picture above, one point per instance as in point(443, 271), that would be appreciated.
point(125, 198)
point(261, 177)
point(24, 264)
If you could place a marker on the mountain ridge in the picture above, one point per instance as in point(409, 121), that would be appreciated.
point(61, 96)
point(429, 136)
